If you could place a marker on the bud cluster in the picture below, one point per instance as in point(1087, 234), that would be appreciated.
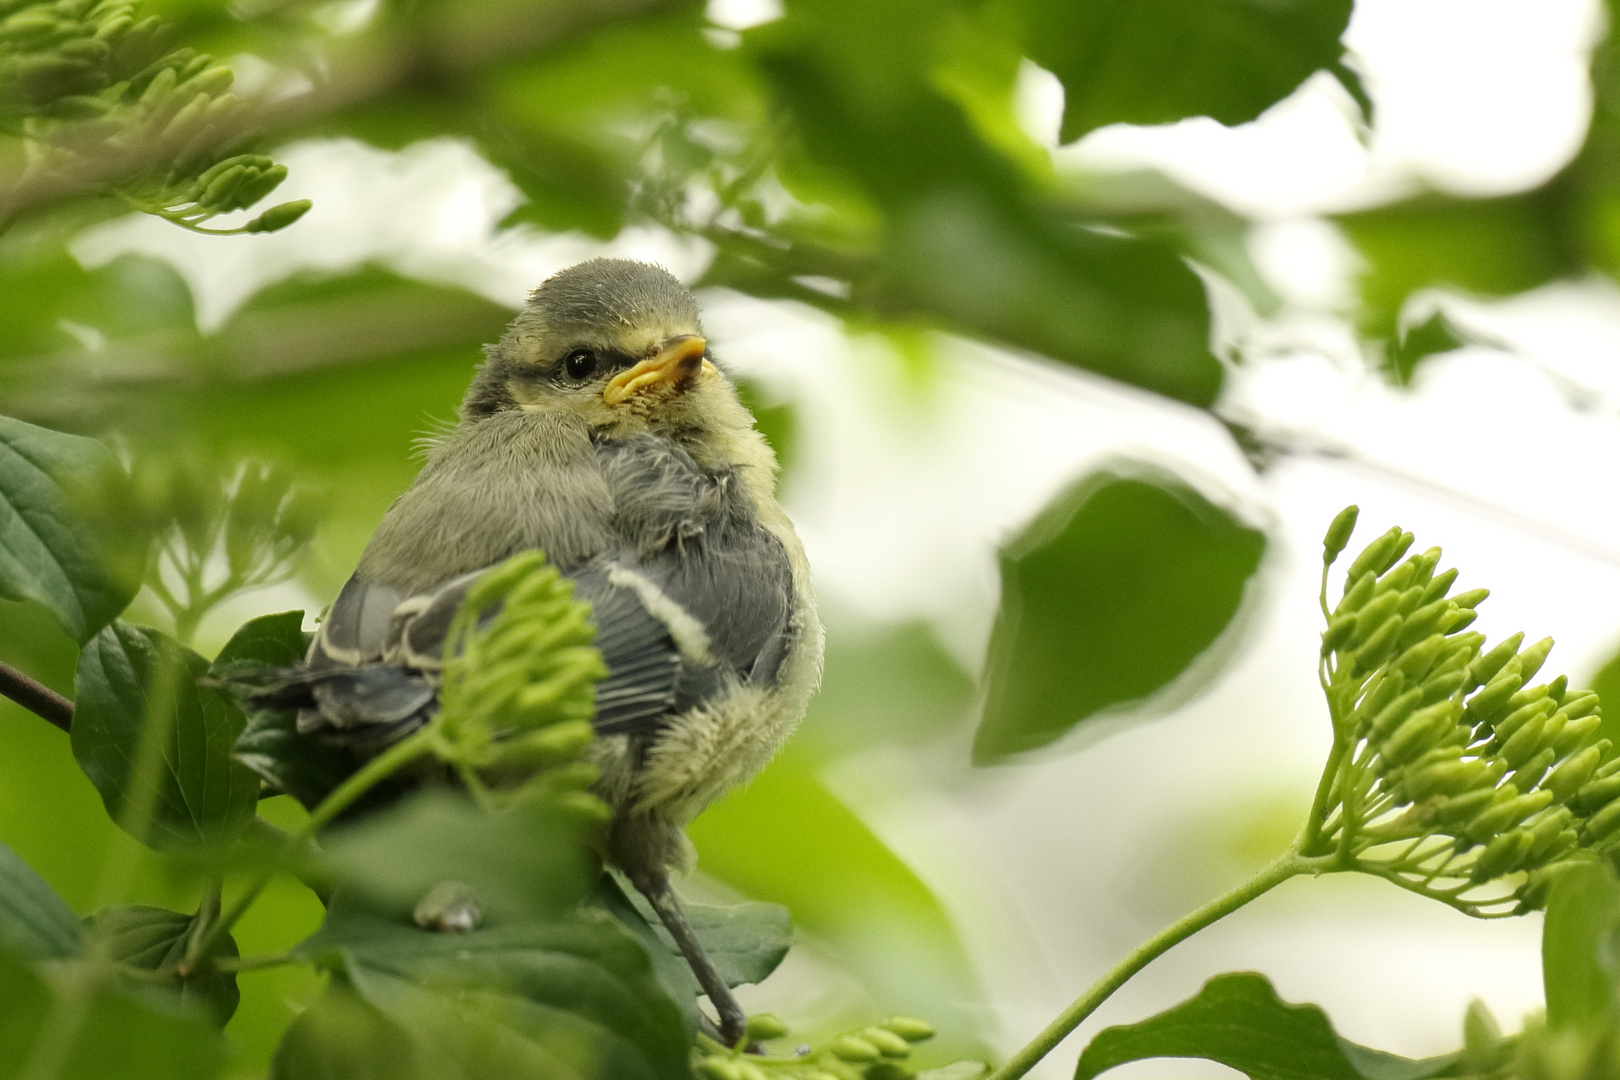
point(519, 686)
point(876, 1052)
point(103, 101)
point(1451, 774)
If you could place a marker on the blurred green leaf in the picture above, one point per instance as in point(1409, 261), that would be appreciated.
point(341, 1037)
point(149, 938)
point(891, 683)
point(156, 743)
point(746, 942)
point(115, 1035)
point(566, 998)
point(1155, 62)
point(1113, 593)
point(522, 864)
point(46, 553)
point(1578, 949)
point(1433, 336)
point(1239, 1021)
point(34, 922)
point(291, 763)
point(275, 641)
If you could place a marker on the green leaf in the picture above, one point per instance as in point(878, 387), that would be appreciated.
point(341, 1037)
point(523, 864)
point(1433, 336)
point(46, 553)
point(156, 743)
point(1578, 948)
point(1239, 1021)
point(275, 641)
point(294, 764)
point(1113, 593)
point(1158, 61)
point(149, 938)
point(114, 1034)
point(35, 923)
point(745, 942)
point(574, 997)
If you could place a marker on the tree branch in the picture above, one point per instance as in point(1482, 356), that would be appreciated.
point(36, 697)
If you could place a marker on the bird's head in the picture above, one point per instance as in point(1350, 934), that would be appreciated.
point(616, 342)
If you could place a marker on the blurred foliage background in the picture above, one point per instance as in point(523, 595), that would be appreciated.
point(863, 167)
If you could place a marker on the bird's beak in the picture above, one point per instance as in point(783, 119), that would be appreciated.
point(676, 362)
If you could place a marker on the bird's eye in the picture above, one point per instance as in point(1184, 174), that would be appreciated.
point(580, 363)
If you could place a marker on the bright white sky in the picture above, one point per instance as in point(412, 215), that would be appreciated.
point(1056, 868)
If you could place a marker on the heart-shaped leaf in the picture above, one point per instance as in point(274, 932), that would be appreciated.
point(157, 743)
point(148, 938)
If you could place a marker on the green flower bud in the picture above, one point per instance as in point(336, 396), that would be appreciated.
point(1401, 578)
point(1601, 825)
point(1509, 725)
point(1338, 632)
point(1488, 666)
point(1505, 813)
point(1576, 733)
point(549, 746)
point(1471, 599)
point(889, 1070)
point(909, 1028)
point(1575, 771)
point(1526, 742)
point(581, 805)
point(1395, 713)
point(1530, 773)
point(213, 81)
point(1416, 661)
point(765, 1027)
point(1380, 691)
point(1489, 703)
point(1459, 810)
point(1582, 704)
point(1531, 659)
point(1445, 777)
point(1457, 619)
point(854, 1048)
point(1375, 613)
point(1418, 732)
point(1372, 652)
point(1358, 593)
point(1480, 1030)
point(1597, 793)
point(24, 24)
point(260, 186)
point(1502, 855)
point(114, 28)
point(719, 1068)
point(888, 1043)
point(278, 217)
point(1381, 554)
point(1423, 621)
point(161, 86)
point(1548, 833)
point(1436, 687)
point(750, 1071)
point(1338, 533)
point(217, 195)
point(1438, 586)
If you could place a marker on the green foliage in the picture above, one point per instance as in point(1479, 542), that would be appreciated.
point(47, 554)
point(1110, 596)
point(157, 743)
point(146, 938)
point(874, 1052)
point(34, 922)
point(1577, 958)
point(1239, 1021)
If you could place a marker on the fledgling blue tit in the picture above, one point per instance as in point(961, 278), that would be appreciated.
point(599, 430)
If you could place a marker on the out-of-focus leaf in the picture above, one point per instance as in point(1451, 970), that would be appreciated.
point(115, 1036)
point(1489, 247)
point(777, 421)
point(156, 743)
point(46, 553)
point(1607, 685)
point(746, 942)
point(341, 1037)
point(886, 684)
point(274, 641)
point(1239, 1021)
point(1158, 61)
point(149, 938)
point(1433, 336)
point(571, 997)
point(522, 864)
point(35, 923)
point(1107, 598)
point(1578, 949)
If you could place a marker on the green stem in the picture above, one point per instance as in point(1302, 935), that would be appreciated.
point(1289, 864)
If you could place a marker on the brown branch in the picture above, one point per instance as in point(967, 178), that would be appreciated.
point(36, 697)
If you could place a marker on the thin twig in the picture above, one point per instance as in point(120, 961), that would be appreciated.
point(36, 697)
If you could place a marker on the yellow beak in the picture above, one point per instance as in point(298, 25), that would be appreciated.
point(677, 361)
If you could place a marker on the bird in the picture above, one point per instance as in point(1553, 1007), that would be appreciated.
point(600, 430)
